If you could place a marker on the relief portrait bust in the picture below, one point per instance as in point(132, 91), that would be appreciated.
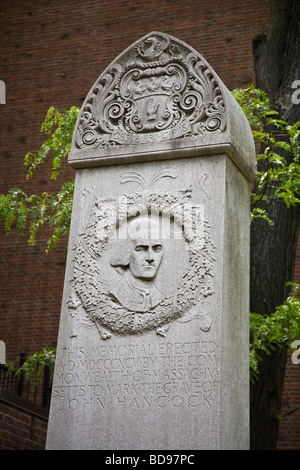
point(140, 258)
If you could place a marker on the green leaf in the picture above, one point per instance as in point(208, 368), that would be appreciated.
point(277, 330)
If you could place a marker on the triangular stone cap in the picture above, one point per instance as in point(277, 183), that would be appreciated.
point(160, 99)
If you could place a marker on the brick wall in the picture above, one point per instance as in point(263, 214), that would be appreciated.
point(23, 426)
point(51, 54)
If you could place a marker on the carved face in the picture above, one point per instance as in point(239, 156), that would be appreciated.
point(145, 258)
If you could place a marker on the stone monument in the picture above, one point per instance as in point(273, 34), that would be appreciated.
point(153, 341)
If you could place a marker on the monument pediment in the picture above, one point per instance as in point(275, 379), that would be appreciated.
point(159, 100)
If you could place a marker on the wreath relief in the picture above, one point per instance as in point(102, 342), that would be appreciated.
point(141, 261)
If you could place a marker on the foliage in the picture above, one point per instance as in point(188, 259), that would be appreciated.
point(34, 365)
point(278, 174)
point(43, 210)
point(59, 142)
point(277, 330)
point(19, 210)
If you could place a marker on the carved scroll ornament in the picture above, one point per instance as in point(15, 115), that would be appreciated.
point(157, 90)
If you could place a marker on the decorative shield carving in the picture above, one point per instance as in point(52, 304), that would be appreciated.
point(157, 90)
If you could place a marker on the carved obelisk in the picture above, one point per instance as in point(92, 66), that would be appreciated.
point(153, 341)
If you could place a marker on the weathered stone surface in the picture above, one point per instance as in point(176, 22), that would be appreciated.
point(153, 341)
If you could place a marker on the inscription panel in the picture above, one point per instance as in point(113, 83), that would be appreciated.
point(133, 376)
